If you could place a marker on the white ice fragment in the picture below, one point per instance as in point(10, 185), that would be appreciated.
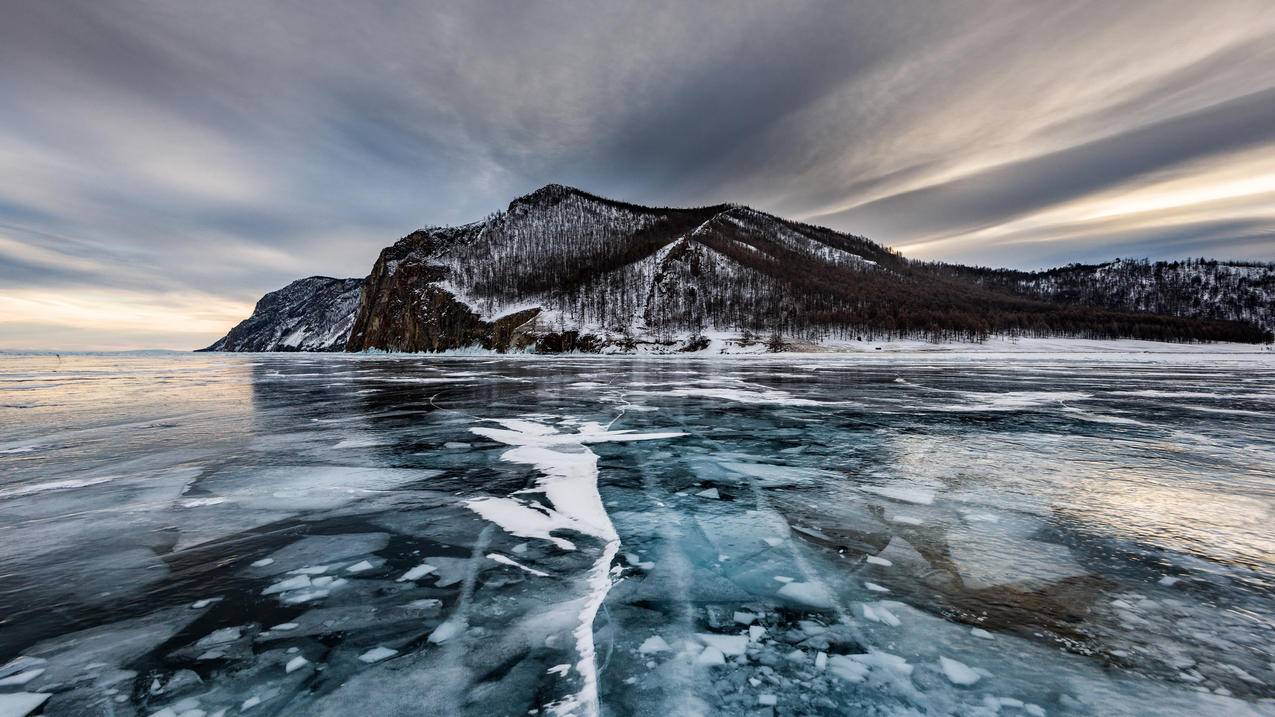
point(821, 660)
point(219, 637)
point(21, 663)
point(783, 578)
point(709, 493)
point(980, 632)
point(249, 703)
point(812, 594)
point(21, 704)
point(262, 563)
point(359, 567)
point(847, 669)
point(1034, 710)
point(767, 700)
point(884, 661)
point(1169, 581)
point(21, 678)
point(294, 583)
point(796, 656)
point(323, 582)
point(730, 645)
point(506, 560)
point(876, 588)
point(417, 573)
point(878, 613)
point(284, 627)
point(745, 618)
point(376, 654)
point(710, 656)
point(756, 632)
point(773, 542)
point(905, 494)
point(201, 604)
point(295, 664)
point(455, 445)
point(653, 644)
point(296, 597)
point(425, 604)
point(520, 548)
point(559, 670)
point(874, 560)
point(446, 631)
point(906, 520)
point(958, 673)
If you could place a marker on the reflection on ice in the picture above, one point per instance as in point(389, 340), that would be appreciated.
point(335, 535)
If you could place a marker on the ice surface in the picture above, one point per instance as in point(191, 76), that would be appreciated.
point(1087, 535)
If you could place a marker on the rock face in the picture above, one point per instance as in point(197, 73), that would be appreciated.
point(312, 314)
point(561, 270)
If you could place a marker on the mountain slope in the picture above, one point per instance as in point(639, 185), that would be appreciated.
point(1196, 288)
point(311, 314)
point(562, 269)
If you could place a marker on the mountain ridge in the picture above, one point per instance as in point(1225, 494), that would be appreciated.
point(564, 269)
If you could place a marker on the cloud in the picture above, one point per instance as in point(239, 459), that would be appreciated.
point(214, 151)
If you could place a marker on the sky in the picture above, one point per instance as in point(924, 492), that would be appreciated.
point(163, 164)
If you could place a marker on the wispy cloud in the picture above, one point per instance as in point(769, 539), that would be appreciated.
point(170, 161)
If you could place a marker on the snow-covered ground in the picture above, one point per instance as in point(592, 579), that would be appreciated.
point(989, 531)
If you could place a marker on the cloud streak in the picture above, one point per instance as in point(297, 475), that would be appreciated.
point(210, 152)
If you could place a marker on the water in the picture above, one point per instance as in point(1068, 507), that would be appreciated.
point(929, 534)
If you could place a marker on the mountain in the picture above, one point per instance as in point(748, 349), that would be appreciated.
point(312, 314)
point(561, 269)
point(1198, 288)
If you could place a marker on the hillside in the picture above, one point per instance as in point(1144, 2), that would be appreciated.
point(562, 269)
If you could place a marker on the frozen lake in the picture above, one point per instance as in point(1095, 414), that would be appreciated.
point(902, 535)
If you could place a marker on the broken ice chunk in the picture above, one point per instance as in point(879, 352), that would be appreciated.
point(250, 703)
point(821, 660)
point(874, 560)
point(767, 700)
point(745, 618)
point(709, 493)
point(21, 663)
point(652, 644)
point(446, 631)
point(220, 637)
point(958, 673)
point(21, 678)
point(20, 704)
point(284, 627)
point(293, 583)
point(417, 573)
point(811, 594)
point(295, 664)
point(906, 520)
point(905, 494)
point(773, 542)
point(711, 656)
point(1169, 581)
point(559, 670)
point(878, 613)
point(876, 588)
point(376, 654)
point(359, 567)
point(262, 563)
point(756, 632)
point(980, 632)
point(783, 578)
point(732, 645)
point(201, 604)
point(847, 669)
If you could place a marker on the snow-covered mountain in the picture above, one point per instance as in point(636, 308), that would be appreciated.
point(1200, 288)
point(562, 269)
point(311, 314)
